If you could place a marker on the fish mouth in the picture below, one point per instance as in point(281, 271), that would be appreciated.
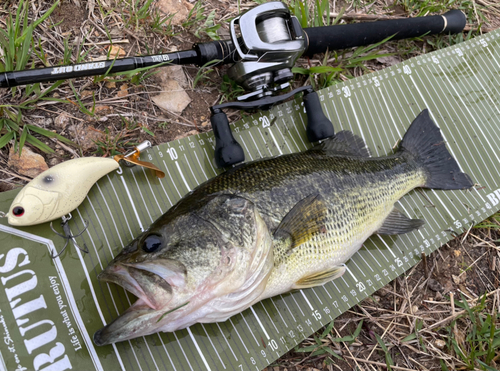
point(142, 281)
point(132, 323)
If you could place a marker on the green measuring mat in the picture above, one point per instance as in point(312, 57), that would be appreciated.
point(50, 309)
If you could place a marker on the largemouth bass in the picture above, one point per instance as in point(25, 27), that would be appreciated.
point(271, 226)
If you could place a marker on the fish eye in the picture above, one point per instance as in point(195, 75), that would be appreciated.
point(18, 211)
point(151, 243)
point(48, 179)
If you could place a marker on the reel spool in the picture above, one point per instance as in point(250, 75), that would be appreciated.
point(270, 42)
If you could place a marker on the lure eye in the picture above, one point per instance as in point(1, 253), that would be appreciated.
point(18, 211)
point(151, 243)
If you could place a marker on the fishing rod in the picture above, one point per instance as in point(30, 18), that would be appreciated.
point(265, 43)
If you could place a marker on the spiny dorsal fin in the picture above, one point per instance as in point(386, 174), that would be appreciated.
point(345, 143)
point(398, 223)
point(306, 219)
point(320, 278)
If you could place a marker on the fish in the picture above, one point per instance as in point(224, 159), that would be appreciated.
point(58, 190)
point(271, 226)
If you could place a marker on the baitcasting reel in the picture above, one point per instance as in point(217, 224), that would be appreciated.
point(270, 42)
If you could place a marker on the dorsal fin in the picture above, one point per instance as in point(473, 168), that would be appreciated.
point(344, 143)
point(306, 219)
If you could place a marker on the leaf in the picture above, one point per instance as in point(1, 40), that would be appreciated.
point(388, 358)
point(38, 144)
point(5, 139)
point(409, 338)
point(350, 338)
point(22, 139)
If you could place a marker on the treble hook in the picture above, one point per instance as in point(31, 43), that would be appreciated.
point(68, 236)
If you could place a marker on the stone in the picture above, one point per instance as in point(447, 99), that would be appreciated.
point(435, 285)
point(62, 121)
point(175, 72)
point(173, 99)
point(29, 163)
point(180, 9)
point(440, 343)
point(86, 136)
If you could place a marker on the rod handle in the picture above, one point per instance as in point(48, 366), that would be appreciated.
point(321, 39)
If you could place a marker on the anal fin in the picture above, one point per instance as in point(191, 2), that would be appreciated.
point(398, 223)
point(320, 278)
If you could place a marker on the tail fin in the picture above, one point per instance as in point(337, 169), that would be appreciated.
point(424, 141)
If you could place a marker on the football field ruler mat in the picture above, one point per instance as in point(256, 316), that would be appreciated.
point(50, 309)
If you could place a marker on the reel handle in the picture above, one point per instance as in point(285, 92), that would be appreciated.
point(227, 150)
point(319, 127)
point(336, 37)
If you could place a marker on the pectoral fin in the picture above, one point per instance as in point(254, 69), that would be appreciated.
point(320, 278)
point(398, 223)
point(305, 220)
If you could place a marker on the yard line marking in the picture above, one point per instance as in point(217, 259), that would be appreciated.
point(249, 329)
point(287, 307)
point(274, 140)
point(255, 144)
point(249, 154)
point(279, 313)
point(209, 160)
point(151, 189)
point(191, 169)
point(132, 203)
point(182, 350)
point(140, 194)
point(199, 164)
point(260, 323)
point(307, 300)
point(182, 175)
point(199, 350)
point(172, 179)
point(213, 346)
point(121, 206)
point(229, 346)
point(265, 143)
point(270, 319)
point(386, 245)
point(350, 272)
point(237, 333)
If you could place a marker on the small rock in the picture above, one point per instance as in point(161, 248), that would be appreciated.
point(435, 285)
point(180, 9)
point(184, 135)
point(85, 94)
point(175, 72)
point(123, 91)
point(173, 99)
point(29, 163)
point(85, 136)
point(110, 84)
point(62, 121)
point(414, 309)
point(54, 161)
point(116, 51)
point(459, 279)
point(439, 343)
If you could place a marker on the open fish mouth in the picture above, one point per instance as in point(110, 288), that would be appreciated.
point(142, 280)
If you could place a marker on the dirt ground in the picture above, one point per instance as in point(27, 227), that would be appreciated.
point(421, 302)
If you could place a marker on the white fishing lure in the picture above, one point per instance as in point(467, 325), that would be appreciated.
point(58, 190)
